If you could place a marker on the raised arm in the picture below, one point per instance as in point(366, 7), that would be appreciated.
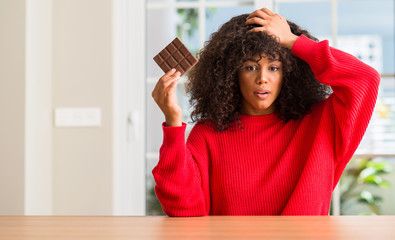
point(181, 175)
point(354, 84)
point(355, 89)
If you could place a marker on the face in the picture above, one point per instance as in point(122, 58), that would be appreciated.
point(260, 80)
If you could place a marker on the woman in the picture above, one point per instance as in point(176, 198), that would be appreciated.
point(279, 115)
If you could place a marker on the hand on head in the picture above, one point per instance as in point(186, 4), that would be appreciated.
point(273, 24)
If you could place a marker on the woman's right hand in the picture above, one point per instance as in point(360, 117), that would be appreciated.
point(273, 24)
point(164, 95)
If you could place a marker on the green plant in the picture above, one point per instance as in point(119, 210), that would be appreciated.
point(360, 176)
point(188, 23)
point(153, 205)
point(189, 20)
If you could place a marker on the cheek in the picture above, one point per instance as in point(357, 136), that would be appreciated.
point(279, 83)
point(243, 84)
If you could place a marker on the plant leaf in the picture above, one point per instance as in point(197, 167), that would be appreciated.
point(380, 166)
point(385, 184)
point(367, 172)
point(377, 180)
point(367, 196)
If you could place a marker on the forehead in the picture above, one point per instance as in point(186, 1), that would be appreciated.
point(258, 57)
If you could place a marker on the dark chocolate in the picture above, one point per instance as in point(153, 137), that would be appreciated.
point(175, 55)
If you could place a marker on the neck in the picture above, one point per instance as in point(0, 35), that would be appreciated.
point(257, 112)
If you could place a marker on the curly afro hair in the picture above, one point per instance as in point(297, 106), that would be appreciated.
point(213, 86)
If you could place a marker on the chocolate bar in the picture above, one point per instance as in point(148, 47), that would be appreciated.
point(175, 55)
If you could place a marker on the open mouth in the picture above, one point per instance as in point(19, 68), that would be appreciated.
point(262, 94)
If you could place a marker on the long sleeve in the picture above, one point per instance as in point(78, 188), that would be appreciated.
point(181, 175)
point(355, 88)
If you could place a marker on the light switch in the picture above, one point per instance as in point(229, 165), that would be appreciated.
point(77, 117)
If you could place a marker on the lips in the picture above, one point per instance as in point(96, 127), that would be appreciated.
point(262, 93)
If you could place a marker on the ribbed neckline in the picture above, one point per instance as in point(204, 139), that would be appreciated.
point(259, 119)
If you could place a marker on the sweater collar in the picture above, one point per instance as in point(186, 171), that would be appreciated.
point(260, 119)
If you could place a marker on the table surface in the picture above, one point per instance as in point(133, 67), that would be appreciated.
point(212, 227)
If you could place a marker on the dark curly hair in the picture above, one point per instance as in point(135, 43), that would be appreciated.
point(213, 86)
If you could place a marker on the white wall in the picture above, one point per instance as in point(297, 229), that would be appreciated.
point(129, 105)
point(38, 120)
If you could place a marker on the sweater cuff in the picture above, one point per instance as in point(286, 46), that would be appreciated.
point(174, 135)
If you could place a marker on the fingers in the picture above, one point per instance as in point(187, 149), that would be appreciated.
point(169, 74)
point(257, 29)
point(265, 18)
point(258, 17)
point(267, 11)
point(257, 14)
point(164, 95)
point(165, 87)
point(255, 20)
point(173, 84)
point(166, 80)
point(281, 17)
point(270, 22)
point(261, 13)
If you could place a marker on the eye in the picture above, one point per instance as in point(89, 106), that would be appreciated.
point(250, 68)
point(274, 68)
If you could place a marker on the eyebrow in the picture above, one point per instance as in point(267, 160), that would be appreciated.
point(274, 60)
point(270, 60)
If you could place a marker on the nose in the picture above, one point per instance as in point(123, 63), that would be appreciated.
point(261, 78)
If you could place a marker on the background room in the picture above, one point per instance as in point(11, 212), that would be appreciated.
point(80, 131)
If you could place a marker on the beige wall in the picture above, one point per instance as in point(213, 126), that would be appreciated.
point(12, 106)
point(82, 77)
point(72, 165)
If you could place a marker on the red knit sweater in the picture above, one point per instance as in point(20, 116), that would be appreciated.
point(272, 167)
